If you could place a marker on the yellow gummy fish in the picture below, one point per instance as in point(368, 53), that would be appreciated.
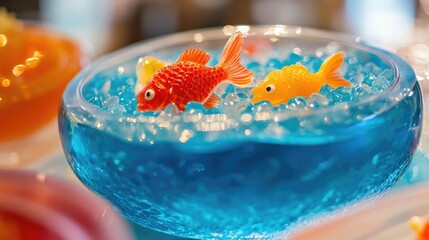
point(292, 81)
point(145, 69)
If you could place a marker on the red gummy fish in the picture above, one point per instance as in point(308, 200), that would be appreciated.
point(189, 79)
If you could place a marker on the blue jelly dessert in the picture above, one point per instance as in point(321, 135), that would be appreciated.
point(243, 170)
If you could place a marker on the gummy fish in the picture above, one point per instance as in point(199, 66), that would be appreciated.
point(189, 79)
point(420, 226)
point(293, 81)
point(145, 69)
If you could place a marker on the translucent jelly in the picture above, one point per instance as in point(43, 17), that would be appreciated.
point(35, 66)
point(243, 170)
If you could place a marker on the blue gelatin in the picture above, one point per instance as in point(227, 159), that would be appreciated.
point(242, 171)
point(253, 65)
point(273, 63)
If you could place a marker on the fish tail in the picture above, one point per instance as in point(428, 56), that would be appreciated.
point(230, 61)
point(330, 71)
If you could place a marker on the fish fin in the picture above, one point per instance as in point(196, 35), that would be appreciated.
point(230, 61)
point(194, 55)
point(212, 101)
point(330, 71)
point(180, 107)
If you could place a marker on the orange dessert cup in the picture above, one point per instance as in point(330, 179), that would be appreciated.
point(36, 64)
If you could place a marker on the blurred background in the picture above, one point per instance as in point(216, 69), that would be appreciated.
point(110, 24)
point(401, 26)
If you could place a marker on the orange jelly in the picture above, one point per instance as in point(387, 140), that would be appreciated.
point(36, 64)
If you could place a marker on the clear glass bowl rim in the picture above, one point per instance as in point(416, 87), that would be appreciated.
point(404, 76)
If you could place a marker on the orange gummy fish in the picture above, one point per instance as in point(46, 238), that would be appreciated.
point(189, 79)
point(293, 81)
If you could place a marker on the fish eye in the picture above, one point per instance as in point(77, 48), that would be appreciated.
point(149, 94)
point(270, 88)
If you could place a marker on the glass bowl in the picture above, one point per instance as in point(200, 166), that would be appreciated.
point(238, 175)
point(36, 206)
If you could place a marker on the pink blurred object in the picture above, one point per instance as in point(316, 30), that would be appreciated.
point(51, 208)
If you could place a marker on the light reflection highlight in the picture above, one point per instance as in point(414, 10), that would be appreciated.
point(3, 40)
point(386, 22)
point(5, 82)
point(31, 62)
